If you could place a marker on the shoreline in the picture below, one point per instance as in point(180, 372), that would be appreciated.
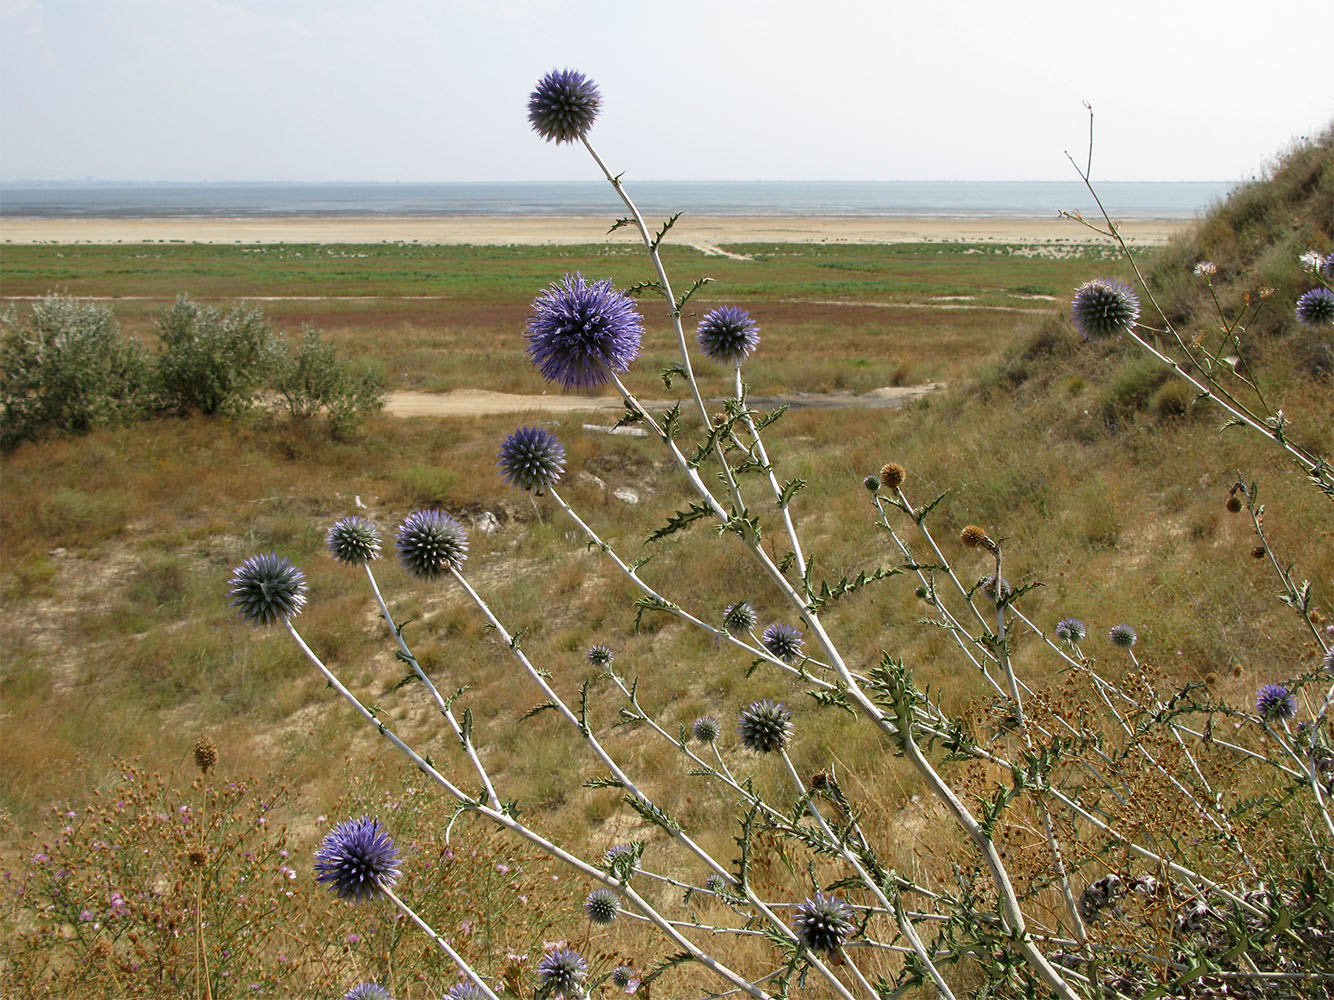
point(703, 232)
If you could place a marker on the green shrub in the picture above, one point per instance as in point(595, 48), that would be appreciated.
point(67, 368)
point(313, 381)
point(212, 361)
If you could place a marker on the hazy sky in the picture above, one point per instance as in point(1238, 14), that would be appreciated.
point(693, 89)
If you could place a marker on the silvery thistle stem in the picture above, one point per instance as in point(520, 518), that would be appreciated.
point(444, 945)
point(595, 745)
point(445, 710)
point(507, 821)
point(773, 480)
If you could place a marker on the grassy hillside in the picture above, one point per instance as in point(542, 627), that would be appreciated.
point(1105, 479)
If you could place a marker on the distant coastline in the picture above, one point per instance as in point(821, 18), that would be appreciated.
point(751, 199)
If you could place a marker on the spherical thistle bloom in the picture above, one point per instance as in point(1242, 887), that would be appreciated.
point(430, 543)
point(357, 860)
point(622, 976)
point(1315, 309)
point(579, 333)
point(705, 729)
point(1104, 306)
point(1328, 661)
point(563, 106)
point(1275, 703)
point(716, 883)
point(367, 991)
point(267, 588)
point(739, 617)
point(996, 596)
point(602, 906)
point(872, 483)
point(727, 335)
point(465, 990)
point(783, 641)
point(1123, 636)
point(600, 655)
point(892, 475)
point(1071, 630)
point(354, 540)
point(561, 971)
point(765, 726)
point(532, 459)
point(823, 922)
point(612, 854)
point(1206, 269)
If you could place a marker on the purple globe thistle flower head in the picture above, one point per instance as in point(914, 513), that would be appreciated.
point(727, 335)
point(1275, 703)
point(354, 540)
point(1123, 636)
point(367, 991)
point(1315, 309)
point(267, 588)
point(765, 726)
point(739, 617)
point(1328, 661)
point(465, 990)
point(1104, 306)
point(357, 860)
point(622, 976)
point(563, 106)
point(783, 641)
point(560, 972)
point(600, 655)
point(1071, 630)
point(705, 729)
point(430, 543)
point(823, 922)
point(1327, 267)
point(579, 333)
point(532, 459)
point(602, 906)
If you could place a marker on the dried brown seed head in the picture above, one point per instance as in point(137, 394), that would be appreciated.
point(892, 475)
point(206, 753)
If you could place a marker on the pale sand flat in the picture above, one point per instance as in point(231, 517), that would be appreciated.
point(705, 232)
point(481, 402)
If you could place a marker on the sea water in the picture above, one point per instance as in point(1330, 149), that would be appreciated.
point(942, 199)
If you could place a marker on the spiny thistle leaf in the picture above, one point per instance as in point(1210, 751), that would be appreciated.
point(681, 519)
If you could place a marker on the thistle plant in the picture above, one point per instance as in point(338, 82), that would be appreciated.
point(1090, 836)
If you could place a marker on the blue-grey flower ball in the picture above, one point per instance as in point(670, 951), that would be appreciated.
point(705, 729)
point(1275, 703)
point(532, 459)
point(579, 333)
point(602, 906)
point(823, 922)
point(716, 883)
point(1327, 266)
point(727, 335)
point(357, 860)
point(1123, 636)
point(988, 587)
point(354, 540)
point(872, 483)
point(1103, 307)
point(739, 617)
point(267, 588)
point(1315, 309)
point(600, 655)
point(430, 543)
point(1071, 630)
point(783, 641)
point(563, 106)
point(622, 976)
point(561, 971)
point(615, 852)
point(367, 991)
point(465, 990)
point(1328, 661)
point(765, 726)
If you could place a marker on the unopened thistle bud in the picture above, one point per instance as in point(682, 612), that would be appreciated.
point(206, 754)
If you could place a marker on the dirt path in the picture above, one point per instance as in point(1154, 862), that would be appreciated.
point(480, 402)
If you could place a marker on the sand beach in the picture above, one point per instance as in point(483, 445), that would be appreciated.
point(704, 232)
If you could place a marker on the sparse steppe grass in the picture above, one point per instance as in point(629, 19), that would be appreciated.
point(121, 645)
